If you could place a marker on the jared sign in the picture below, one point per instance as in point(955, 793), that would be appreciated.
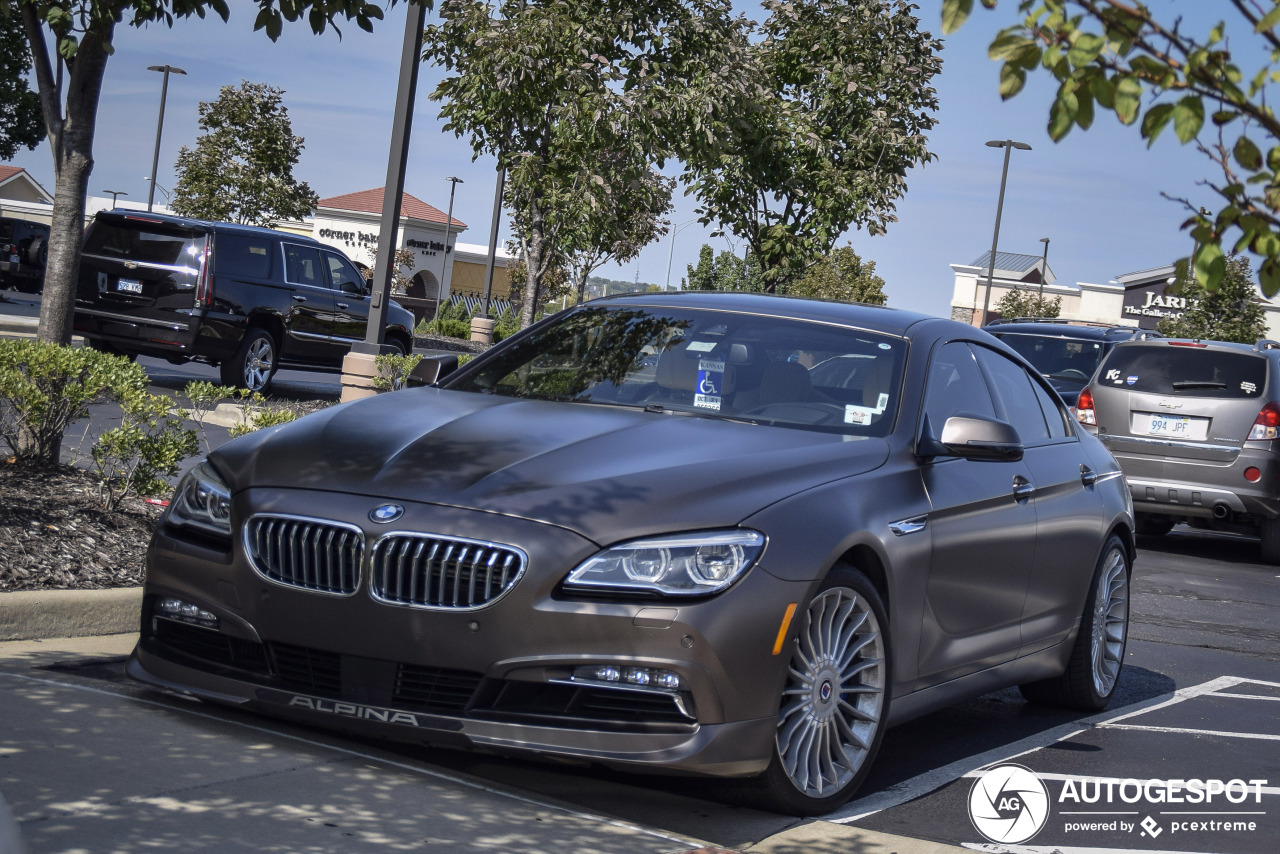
point(1148, 303)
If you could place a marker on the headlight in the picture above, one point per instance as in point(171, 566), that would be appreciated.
point(682, 565)
point(202, 501)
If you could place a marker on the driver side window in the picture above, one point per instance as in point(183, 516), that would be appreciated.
point(343, 276)
point(955, 386)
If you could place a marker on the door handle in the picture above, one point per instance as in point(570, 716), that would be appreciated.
point(1087, 475)
point(341, 304)
point(1023, 488)
point(299, 298)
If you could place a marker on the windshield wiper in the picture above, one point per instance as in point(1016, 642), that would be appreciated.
point(658, 408)
point(1181, 384)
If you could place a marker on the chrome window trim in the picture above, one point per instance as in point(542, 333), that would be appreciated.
point(129, 318)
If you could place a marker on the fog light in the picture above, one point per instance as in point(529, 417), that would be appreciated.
point(638, 677)
point(185, 612)
point(1253, 474)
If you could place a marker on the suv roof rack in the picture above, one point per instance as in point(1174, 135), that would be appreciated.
point(1266, 344)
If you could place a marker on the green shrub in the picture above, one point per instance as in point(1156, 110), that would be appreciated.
point(506, 325)
point(149, 445)
point(452, 320)
point(44, 388)
point(257, 415)
point(394, 370)
point(205, 397)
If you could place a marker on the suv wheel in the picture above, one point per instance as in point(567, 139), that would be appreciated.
point(1270, 531)
point(1153, 525)
point(254, 363)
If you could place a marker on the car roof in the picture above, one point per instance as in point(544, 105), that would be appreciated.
point(873, 318)
point(194, 223)
point(1081, 329)
point(1263, 345)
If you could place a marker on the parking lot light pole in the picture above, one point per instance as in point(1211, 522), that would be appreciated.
point(672, 251)
point(1044, 266)
point(155, 157)
point(1008, 145)
point(448, 222)
point(115, 194)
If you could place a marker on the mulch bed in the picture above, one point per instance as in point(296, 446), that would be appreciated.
point(54, 534)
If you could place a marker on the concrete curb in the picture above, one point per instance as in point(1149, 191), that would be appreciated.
point(42, 614)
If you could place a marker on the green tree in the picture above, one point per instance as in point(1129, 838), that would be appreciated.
point(69, 82)
point(558, 91)
point(1028, 303)
point(841, 105)
point(1231, 312)
point(724, 272)
point(241, 169)
point(841, 275)
point(1154, 74)
point(20, 124)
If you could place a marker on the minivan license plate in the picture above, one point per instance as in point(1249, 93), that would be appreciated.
point(129, 286)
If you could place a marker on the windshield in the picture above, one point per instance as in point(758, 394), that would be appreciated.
point(1058, 358)
point(765, 370)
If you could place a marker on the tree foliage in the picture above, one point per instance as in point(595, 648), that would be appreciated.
point(724, 272)
point(842, 275)
point(840, 105)
point(577, 99)
point(1231, 312)
point(70, 41)
point(1028, 303)
point(1157, 74)
point(241, 169)
point(20, 122)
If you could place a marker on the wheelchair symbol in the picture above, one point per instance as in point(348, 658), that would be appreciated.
point(708, 386)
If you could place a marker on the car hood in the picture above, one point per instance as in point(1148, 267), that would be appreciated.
point(608, 473)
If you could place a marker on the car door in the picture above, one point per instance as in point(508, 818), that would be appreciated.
point(350, 301)
point(309, 330)
point(1068, 508)
point(983, 528)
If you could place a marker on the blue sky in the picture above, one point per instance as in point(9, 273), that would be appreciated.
point(1096, 195)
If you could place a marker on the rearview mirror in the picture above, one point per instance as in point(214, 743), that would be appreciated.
point(975, 437)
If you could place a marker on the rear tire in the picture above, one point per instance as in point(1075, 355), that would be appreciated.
point(254, 363)
point(1269, 530)
point(835, 701)
point(1098, 655)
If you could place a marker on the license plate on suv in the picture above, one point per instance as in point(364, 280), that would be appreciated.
point(1170, 426)
point(129, 286)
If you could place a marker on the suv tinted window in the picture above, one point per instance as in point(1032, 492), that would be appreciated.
point(144, 246)
point(243, 255)
point(1064, 358)
point(1193, 371)
point(342, 273)
point(302, 266)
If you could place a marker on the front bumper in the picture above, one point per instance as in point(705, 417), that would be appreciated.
point(496, 678)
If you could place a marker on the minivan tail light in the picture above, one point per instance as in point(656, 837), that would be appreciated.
point(1267, 424)
point(1084, 408)
point(204, 293)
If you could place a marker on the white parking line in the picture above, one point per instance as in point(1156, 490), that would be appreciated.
point(923, 784)
point(1114, 781)
point(1261, 736)
point(688, 841)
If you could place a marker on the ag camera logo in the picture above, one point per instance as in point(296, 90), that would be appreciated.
point(1008, 804)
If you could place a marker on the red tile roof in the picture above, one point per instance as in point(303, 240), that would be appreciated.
point(7, 172)
point(370, 201)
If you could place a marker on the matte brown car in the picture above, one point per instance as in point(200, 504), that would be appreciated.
point(725, 534)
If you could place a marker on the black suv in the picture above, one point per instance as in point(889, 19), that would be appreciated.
point(1066, 352)
point(248, 299)
point(24, 248)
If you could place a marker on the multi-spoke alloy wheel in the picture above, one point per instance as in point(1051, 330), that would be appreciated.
point(1098, 655)
point(254, 363)
point(1110, 621)
point(835, 699)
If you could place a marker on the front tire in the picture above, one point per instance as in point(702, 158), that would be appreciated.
point(835, 701)
point(254, 363)
point(1098, 656)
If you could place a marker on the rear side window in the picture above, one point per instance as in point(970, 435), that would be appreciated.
point(1015, 391)
point(148, 245)
point(1191, 371)
point(302, 266)
point(243, 255)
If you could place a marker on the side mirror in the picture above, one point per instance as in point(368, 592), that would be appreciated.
point(432, 369)
point(973, 437)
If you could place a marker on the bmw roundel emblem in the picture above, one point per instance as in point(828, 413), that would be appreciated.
point(386, 513)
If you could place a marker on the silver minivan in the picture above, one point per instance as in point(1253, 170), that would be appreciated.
point(1195, 426)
